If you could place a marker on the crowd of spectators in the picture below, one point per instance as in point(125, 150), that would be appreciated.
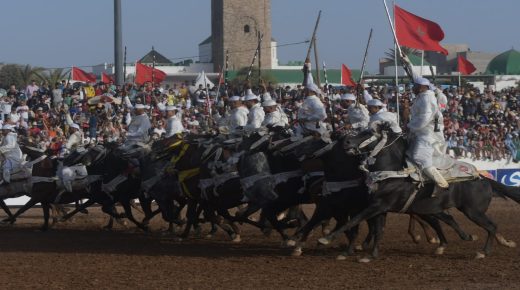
point(479, 125)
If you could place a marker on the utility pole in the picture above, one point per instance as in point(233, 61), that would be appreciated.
point(118, 43)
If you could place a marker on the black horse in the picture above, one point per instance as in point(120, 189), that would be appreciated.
point(344, 194)
point(471, 197)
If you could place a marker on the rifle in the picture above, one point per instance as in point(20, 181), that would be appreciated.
point(254, 57)
point(363, 65)
point(311, 45)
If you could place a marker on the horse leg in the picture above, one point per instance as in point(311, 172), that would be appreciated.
point(482, 220)
point(449, 220)
point(428, 232)
point(79, 204)
point(351, 235)
point(81, 207)
point(46, 209)
point(5, 208)
point(32, 202)
point(129, 215)
point(376, 227)
point(146, 206)
point(411, 229)
point(299, 238)
point(434, 223)
point(371, 211)
point(191, 215)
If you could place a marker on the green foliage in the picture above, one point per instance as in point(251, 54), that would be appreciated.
point(18, 75)
point(254, 79)
point(54, 76)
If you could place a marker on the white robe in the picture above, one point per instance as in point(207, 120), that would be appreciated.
point(138, 130)
point(358, 116)
point(173, 126)
point(385, 116)
point(276, 119)
point(423, 139)
point(12, 153)
point(313, 112)
point(255, 118)
point(238, 118)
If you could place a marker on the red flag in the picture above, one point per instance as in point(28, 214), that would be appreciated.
point(82, 76)
point(106, 78)
point(346, 77)
point(416, 32)
point(465, 67)
point(144, 74)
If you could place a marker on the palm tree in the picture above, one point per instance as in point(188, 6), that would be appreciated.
point(27, 73)
point(389, 55)
point(53, 76)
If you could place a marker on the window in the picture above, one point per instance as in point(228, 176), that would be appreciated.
point(246, 29)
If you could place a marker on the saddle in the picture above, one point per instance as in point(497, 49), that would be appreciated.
point(451, 169)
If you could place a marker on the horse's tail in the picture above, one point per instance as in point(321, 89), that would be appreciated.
point(504, 190)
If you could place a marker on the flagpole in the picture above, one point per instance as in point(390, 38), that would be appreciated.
point(422, 61)
point(459, 79)
point(153, 67)
point(124, 67)
point(396, 72)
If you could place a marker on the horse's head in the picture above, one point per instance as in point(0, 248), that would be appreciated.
point(305, 148)
point(366, 141)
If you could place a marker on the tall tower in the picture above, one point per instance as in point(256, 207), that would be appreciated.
point(235, 26)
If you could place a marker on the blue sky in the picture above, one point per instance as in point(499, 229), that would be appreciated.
point(59, 33)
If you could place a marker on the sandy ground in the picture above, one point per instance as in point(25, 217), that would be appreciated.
point(81, 255)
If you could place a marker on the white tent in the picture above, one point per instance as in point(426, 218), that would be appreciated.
point(202, 79)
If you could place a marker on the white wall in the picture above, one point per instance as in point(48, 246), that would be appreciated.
point(390, 70)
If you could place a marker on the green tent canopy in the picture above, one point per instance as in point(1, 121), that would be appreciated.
point(507, 63)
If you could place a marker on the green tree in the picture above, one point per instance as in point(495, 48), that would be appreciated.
point(53, 76)
point(389, 55)
point(254, 80)
point(10, 74)
point(28, 73)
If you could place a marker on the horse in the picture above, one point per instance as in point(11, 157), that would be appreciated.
point(343, 194)
point(401, 194)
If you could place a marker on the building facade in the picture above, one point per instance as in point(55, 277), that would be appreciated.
point(235, 27)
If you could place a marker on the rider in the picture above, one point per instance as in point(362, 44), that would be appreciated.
point(358, 115)
point(312, 112)
point(256, 113)
point(274, 116)
point(239, 114)
point(426, 130)
point(73, 145)
point(139, 127)
point(173, 124)
point(11, 151)
point(378, 112)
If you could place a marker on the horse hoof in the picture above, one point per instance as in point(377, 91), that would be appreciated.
point(326, 232)
point(416, 239)
point(474, 237)
point(179, 239)
point(297, 252)
point(434, 241)
point(479, 256)
point(209, 236)
point(323, 241)
point(364, 260)
point(359, 248)
point(237, 239)
point(290, 243)
point(341, 257)
point(440, 251)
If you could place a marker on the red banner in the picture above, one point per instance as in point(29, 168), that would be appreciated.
point(465, 67)
point(346, 77)
point(82, 76)
point(145, 74)
point(416, 32)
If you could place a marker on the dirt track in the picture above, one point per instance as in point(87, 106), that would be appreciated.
point(81, 255)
